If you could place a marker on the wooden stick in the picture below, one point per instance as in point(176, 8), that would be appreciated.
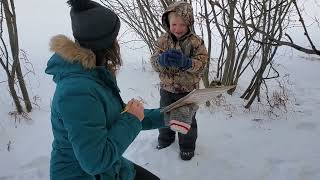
point(161, 50)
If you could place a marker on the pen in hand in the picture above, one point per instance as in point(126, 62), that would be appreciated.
point(135, 107)
point(126, 108)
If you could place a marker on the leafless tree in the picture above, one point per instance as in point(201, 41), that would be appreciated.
point(240, 25)
point(203, 20)
point(11, 62)
point(265, 27)
point(142, 16)
point(251, 31)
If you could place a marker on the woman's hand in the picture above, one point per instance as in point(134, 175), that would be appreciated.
point(135, 107)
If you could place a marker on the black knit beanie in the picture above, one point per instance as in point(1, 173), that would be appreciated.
point(94, 26)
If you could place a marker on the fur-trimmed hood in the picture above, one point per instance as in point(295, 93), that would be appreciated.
point(70, 59)
point(72, 52)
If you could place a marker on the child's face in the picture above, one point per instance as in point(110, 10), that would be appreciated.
point(177, 25)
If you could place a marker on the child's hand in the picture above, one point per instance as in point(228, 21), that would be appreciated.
point(178, 59)
point(175, 58)
point(135, 107)
point(163, 60)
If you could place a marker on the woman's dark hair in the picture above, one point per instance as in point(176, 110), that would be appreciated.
point(111, 58)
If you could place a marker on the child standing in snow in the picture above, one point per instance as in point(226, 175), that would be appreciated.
point(180, 59)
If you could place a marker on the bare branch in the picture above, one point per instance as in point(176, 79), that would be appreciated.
point(304, 28)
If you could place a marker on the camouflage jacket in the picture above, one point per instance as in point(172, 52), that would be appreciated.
point(173, 79)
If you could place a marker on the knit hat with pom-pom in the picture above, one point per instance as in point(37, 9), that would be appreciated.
point(94, 26)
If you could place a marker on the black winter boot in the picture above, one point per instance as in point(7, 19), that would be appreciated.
point(186, 156)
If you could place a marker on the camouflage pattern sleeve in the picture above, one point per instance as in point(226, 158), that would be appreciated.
point(155, 56)
point(199, 56)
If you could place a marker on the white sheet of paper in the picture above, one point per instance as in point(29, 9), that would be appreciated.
point(198, 96)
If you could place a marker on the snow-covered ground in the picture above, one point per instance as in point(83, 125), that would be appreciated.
point(233, 142)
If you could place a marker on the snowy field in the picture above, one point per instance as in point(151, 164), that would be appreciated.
point(233, 142)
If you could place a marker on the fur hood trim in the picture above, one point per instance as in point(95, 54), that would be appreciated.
point(72, 51)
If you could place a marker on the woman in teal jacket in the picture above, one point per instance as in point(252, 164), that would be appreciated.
point(90, 132)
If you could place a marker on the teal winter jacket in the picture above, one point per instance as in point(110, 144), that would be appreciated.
point(90, 133)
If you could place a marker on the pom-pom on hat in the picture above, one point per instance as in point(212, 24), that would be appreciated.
point(94, 26)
